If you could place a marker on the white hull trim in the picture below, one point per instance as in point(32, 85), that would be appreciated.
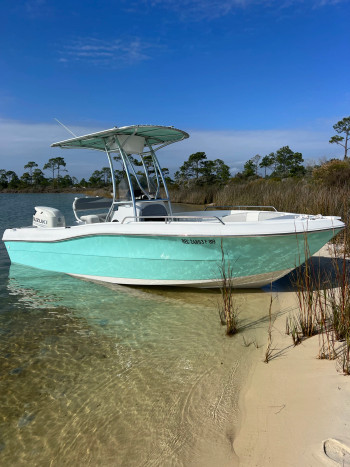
point(256, 281)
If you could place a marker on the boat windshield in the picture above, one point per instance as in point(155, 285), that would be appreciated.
point(145, 178)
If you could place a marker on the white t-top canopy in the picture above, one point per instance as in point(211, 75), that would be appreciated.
point(133, 138)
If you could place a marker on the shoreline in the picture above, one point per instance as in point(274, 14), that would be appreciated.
point(296, 407)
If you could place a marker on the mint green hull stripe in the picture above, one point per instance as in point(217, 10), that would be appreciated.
point(167, 258)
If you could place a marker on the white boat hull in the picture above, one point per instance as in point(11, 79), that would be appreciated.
point(192, 254)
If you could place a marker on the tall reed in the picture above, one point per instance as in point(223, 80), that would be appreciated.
point(324, 308)
point(338, 298)
point(228, 308)
point(287, 195)
point(269, 349)
point(305, 322)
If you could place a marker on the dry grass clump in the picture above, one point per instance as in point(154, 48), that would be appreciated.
point(287, 195)
point(194, 195)
point(324, 309)
point(269, 351)
point(228, 308)
point(306, 322)
point(338, 299)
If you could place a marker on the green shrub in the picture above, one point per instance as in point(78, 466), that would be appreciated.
point(333, 173)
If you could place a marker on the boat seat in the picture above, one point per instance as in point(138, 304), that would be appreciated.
point(253, 216)
point(90, 219)
point(236, 217)
point(153, 210)
point(96, 203)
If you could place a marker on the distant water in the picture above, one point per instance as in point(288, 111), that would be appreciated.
point(106, 375)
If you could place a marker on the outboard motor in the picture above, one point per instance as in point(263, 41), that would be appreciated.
point(48, 217)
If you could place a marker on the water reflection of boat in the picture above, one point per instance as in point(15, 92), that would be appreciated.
point(107, 308)
point(110, 308)
point(135, 238)
point(36, 288)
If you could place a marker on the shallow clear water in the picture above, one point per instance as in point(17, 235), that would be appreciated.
point(94, 374)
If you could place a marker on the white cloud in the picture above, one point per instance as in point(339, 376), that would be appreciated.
point(115, 52)
point(196, 10)
point(21, 142)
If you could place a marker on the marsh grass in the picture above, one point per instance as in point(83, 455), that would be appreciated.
point(344, 360)
point(338, 300)
point(269, 352)
point(305, 322)
point(324, 308)
point(288, 195)
point(228, 307)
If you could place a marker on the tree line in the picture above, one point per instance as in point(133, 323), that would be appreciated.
point(286, 163)
point(197, 170)
point(198, 166)
point(33, 176)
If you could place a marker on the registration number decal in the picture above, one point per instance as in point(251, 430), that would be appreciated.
point(197, 241)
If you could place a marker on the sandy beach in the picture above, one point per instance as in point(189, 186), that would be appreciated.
point(295, 409)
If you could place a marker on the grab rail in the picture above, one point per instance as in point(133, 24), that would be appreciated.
point(168, 219)
point(239, 207)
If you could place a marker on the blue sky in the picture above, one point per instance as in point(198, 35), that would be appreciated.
point(241, 76)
